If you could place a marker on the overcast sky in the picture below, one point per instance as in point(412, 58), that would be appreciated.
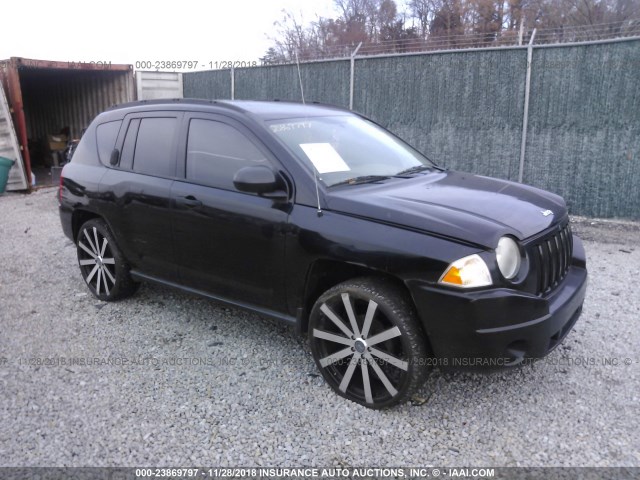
point(126, 31)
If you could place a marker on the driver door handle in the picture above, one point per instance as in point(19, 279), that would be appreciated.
point(189, 201)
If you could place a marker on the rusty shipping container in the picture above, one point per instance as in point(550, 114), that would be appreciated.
point(51, 97)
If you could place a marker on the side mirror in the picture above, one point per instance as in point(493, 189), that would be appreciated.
point(115, 157)
point(261, 180)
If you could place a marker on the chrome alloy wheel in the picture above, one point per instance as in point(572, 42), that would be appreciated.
point(97, 262)
point(359, 349)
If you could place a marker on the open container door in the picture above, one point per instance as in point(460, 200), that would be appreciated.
point(50, 98)
point(9, 147)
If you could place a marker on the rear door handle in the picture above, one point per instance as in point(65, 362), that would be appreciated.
point(189, 201)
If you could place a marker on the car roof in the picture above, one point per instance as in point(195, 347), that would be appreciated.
point(278, 109)
point(265, 110)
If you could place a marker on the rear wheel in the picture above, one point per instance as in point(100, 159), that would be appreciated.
point(102, 265)
point(367, 342)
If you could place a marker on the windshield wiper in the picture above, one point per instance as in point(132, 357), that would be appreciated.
point(361, 179)
point(415, 169)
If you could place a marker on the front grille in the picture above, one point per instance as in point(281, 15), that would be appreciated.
point(552, 258)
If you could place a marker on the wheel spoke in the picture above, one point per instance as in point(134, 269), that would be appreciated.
point(396, 362)
point(92, 273)
point(84, 263)
point(334, 357)
point(110, 261)
point(384, 336)
point(334, 318)
point(352, 318)
point(104, 247)
point(99, 281)
point(368, 318)
point(104, 280)
point(95, 236)
point(383, 378)
point(93, 247)
point(366, 382)
point(113, 280)
point(331, 337)
point(344, 384)
point(86, 249)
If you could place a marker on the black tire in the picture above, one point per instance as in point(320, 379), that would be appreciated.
point(394, 366)
point(102, 265)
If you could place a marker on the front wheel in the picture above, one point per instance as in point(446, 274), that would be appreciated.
point(102, 265)
point(367, 342)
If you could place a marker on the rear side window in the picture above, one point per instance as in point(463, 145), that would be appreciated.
point(106, 134)
point(154, 153)
point(216, 151)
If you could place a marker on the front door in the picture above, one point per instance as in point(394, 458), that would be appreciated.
point(228, 243)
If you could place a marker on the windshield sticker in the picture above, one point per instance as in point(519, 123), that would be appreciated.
point(287, 127)
point(324, 157)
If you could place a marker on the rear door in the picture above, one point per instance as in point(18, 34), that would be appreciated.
point(228, 243)
point(139, 191)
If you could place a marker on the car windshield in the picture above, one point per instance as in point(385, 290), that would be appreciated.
point(348, 149)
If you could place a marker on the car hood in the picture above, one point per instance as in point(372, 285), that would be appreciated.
point(468, 207)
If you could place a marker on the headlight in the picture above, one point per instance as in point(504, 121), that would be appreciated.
point(508, 256)
point(468, 272)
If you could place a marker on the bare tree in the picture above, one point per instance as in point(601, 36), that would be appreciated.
point(422, 11)
point(448, 23)
point(488, 16)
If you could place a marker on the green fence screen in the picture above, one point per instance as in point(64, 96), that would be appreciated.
point(464, 109)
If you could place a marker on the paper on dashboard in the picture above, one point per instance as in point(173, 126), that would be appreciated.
point(324, 157)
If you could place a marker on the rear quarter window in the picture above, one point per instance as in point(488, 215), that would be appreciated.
point(106, 135)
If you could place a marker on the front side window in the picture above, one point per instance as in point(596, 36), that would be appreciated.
point(344, 147)
point(216, 151)
point(154, 153)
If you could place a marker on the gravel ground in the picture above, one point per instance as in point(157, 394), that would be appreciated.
point(254, 397)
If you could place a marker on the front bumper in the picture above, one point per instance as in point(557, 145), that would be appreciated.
point(500, 327)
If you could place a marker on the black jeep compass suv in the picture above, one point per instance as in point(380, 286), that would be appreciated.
point(319, 217)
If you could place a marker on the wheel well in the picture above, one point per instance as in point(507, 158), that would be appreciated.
point(325, 274)
point(80, 217)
